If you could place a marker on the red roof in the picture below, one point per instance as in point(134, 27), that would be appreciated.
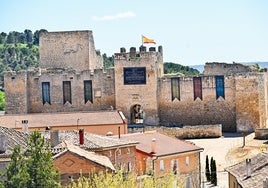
point(62, 119)
point(165, 145)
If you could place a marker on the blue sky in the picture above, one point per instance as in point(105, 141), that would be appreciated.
point(191, 32)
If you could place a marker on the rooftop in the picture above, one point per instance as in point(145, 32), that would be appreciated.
point(165, 145)
point(259, 171)
point(99, 159)
point(91, 141)
point(62, 119)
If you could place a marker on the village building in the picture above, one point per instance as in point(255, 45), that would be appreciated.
point(71, 78)
point(158, 154)
point(252, 173)
point(98, 122)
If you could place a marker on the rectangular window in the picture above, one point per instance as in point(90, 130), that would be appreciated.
point(197, 81)
point(175, 88)
point(88, 91)
point(161, 165)
point(187, 161)
point(46, 92)
point(219, 86)
point(67, 95)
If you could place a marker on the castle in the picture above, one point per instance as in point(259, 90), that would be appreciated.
point(71, 78)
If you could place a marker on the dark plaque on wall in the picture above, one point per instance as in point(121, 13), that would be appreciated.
point(134, 75)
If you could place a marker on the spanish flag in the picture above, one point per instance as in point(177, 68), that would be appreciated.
point(146, 40)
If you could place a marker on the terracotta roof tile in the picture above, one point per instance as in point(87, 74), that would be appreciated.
point(259, 171)
point(99, 159)
point(91, 141)
point(165, 145)
point(12, 139)
point(61, 119)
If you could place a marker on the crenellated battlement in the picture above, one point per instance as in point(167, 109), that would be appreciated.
point(142, 53)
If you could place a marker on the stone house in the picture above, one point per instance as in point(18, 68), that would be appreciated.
point(71, 78)
point(251, 173)
point(159, 154)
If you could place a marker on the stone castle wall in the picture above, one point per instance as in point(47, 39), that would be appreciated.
point(72, 49)
point(225, 68)
point(146, 95)
point(243, 108)
point(207, 111)
point(102, 84)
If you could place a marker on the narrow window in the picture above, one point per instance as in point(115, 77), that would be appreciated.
point(161, 165)
point(175, 88)
point(219, 87)
point(67, 95)
point(129, 166)
point(128, 151)
point(197, 87)
point(46, 92)
point(88, 91)
point(187, 161)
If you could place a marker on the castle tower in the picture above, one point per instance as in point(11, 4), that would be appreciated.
point(69, 49)
point(136, 83)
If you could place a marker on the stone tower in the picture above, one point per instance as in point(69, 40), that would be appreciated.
point(136, 83)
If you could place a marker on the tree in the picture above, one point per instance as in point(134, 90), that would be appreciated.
point(34, 167)
point(40, 163)
point(208, 175)
point(16, 175)
point(213, 170)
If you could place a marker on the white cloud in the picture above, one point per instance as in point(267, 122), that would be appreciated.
point(121, 15)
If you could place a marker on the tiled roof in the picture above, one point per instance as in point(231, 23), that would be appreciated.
point(259, 171)
point(12, 139)
point(91, 141)
point(165, 145)
point(62, 119)
point(99, 159)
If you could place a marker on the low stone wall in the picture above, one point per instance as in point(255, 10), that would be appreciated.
point(186, 132)
point(261, 134)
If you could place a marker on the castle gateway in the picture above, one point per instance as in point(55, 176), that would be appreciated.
point(71, 78)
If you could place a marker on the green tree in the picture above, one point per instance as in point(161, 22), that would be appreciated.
point(208, 175)
point(40, 163)
point(213, 169)
point(34, 167)
point(2, 101)
point(16, 174)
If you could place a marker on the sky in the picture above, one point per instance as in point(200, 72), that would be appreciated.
point(192, 32)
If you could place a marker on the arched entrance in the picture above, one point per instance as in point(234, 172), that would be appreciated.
point(136, 114)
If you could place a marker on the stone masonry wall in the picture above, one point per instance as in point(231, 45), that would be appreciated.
point(72, 49)
point(144, 94)
point(188, 111)
point(102, 86)
point(225, 68)
point(16, 92)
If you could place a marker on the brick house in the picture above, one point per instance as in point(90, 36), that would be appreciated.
point(252, 173)
point(121, 153)
point(73, 161)
point(160, 154)
point(98, 122)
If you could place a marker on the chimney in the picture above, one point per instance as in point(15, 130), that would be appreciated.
point(81, 136)
point(54, 138)
point(2, 143)
point(153, 146)
point(119, 136)
point(248, 167)
point(24, 126)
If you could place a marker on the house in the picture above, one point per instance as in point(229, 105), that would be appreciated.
point(121, 153)
point(251, 173)
point(159, 154)
point(9, 138)
point(99, 122)
point(73, 161)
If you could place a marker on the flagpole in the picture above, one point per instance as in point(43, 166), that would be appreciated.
point(141, 40)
